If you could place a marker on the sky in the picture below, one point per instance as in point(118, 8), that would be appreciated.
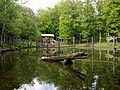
point(37, 84)
point(37, 4)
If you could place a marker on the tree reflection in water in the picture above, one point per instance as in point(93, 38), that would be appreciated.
point(69, 68)
point(21, 71)
point(37, 84)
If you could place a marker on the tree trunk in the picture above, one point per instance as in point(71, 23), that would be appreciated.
point(2, 33)
point(100, 37)
point(78, 55)
point(3, 29)
point(108, 36)
point(73, 41)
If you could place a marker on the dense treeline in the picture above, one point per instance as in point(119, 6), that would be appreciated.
point(17, 23)
point(81, 19)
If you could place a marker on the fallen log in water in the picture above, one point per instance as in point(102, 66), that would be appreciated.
point(78, 55)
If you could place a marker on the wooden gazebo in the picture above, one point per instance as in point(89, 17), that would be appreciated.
point(47, 40)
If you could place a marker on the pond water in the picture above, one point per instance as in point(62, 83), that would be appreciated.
point(23, 70)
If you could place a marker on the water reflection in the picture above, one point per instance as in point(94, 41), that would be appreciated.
point(37, 84)
point(76, 74)
point(94, 84)
point(17, 69)
point(69, 69)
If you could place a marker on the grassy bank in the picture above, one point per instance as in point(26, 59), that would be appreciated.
point(96, 45)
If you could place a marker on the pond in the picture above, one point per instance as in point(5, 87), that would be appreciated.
point(23, 70)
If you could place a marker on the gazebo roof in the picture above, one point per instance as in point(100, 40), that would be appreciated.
point(47, 35)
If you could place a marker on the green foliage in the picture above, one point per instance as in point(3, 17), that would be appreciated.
point(111, 12)
point(18, 22)
point(67, 19)
point(86, 19)
point(49, 21)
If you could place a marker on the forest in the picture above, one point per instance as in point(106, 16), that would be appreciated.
point(82, 19)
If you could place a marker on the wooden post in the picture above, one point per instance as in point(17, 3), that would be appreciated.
point(92, 59)
point(100, 37)
point(79, 39)
point(92, 42)
point(73, 41)
point(114, 44)
point(58, 45)
point(107, 39)
point(113, 41)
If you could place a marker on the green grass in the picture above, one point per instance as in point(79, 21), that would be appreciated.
point(103, 45)
point(96, 45)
